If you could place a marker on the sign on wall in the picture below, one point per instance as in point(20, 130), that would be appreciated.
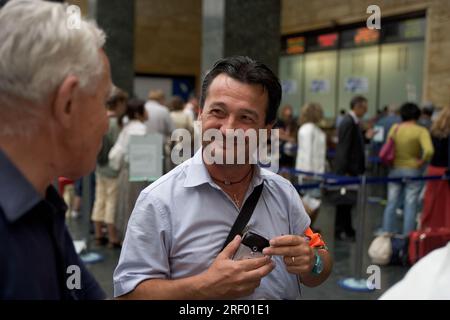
point(357, 84)
point(289, 86)
point(146, 157)
point(320, 86)
point(295, 45)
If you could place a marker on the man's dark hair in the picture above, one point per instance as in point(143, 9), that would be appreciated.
point(176, 103)
point(247, 70)
point(357, 100)
point(409, 111)
point(135, 108)
point(118, 96)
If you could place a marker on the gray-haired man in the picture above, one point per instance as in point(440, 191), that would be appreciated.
point(54, 83)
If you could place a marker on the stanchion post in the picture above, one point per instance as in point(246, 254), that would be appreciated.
point(359, 283)
point(361, 219)
point(88, 256)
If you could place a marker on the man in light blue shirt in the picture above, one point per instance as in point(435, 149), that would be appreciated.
point(172, 248)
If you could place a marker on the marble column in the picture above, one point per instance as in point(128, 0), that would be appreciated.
point(233, 27)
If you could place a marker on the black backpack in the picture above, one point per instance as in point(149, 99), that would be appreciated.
point(107, 144)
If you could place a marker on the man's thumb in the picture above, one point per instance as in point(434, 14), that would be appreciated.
point(231, 248)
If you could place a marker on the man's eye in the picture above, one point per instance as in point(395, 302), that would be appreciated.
point(247, 118)
point(217, 112)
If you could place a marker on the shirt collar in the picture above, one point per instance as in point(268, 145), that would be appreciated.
point(17, 195)
point(353, 115)
point(197, 173)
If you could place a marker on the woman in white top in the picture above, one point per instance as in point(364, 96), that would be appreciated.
point(311, 153)
point(118, 156)
point(118, 159)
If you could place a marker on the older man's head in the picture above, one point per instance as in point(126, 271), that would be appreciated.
point(54, 82)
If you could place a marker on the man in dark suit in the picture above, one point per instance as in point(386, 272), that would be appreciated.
point(350, 161)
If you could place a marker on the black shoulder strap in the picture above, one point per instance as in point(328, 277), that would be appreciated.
point(245, 214)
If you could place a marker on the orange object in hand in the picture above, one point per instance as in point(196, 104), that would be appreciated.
point(315, 239)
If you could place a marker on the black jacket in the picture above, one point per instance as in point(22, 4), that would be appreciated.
point(350, 158)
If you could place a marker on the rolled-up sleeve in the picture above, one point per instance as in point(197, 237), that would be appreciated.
point(145, 251)
point(117, 153)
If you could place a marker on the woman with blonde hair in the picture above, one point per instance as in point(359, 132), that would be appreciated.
point(311, 152)
point(436, 205)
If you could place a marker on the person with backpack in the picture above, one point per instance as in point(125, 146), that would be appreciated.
point(106, 177)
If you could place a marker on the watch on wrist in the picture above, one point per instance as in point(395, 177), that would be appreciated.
point(318, 264)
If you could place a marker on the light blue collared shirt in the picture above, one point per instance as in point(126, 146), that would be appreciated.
point(180, 222)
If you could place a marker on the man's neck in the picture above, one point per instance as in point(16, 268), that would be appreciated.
point(227, 172)
point(36, 169)
point(232, 179)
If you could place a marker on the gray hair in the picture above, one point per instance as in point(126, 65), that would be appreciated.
point(38, 51)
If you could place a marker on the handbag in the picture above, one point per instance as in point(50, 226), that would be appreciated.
point(387, 152)
point(424, 241)
point(380, 250)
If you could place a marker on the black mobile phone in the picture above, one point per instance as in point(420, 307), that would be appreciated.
point(251, 246)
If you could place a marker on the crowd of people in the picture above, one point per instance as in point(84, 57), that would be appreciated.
point(113, 195)
point(421, 139)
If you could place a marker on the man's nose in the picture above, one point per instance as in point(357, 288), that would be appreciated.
point(230, 123)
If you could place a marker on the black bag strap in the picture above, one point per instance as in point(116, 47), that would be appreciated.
point(244, 215)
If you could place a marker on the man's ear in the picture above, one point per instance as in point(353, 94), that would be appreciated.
point(62, 108)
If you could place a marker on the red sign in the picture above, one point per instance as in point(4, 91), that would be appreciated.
point(327, 40)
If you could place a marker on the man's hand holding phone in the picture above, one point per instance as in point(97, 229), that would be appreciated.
point(298, 256)
point(251, 246)
point(227, 278)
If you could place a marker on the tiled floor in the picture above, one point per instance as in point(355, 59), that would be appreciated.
point(343, 254)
